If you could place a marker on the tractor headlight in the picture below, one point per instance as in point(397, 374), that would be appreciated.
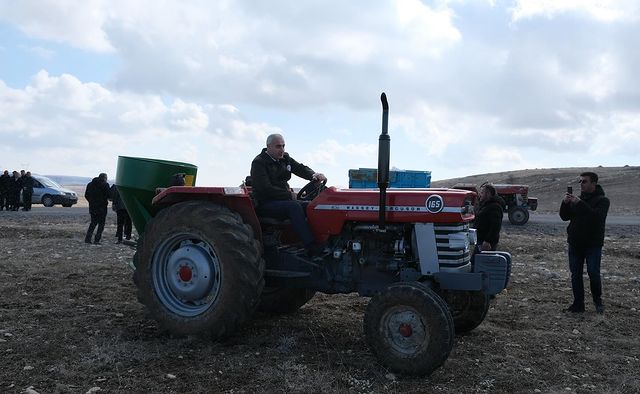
point(472, 236)
point(233, 190)
point(468, 208)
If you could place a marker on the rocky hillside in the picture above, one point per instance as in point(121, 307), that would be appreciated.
point(621, 185)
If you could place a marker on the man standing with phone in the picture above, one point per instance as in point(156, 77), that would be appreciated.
point(585, 235)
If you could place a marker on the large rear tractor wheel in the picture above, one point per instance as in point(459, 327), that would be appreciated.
point(468, 309)
point(518, 216)
point(409, 328)
point(199, 269)
point(280, 300)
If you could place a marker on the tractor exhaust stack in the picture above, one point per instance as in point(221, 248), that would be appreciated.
point(384, 153)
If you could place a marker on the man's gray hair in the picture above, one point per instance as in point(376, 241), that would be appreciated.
point(272, 137)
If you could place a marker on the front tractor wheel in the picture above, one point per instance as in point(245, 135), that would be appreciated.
point(199, 269)
point(518, 216)
point(468, 309)
point(409, 328)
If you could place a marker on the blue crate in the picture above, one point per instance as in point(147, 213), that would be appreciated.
point(367, 178)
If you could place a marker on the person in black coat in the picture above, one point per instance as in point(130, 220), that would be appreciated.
point(4, 190)
point(270, 173)
point(27, 190)
point(585, 235)
point(488, 221)
point(13, 191)
point(97, 194)
point(123, 221)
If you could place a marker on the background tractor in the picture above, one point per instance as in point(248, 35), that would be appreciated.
point(516, 198)
point(206, 262)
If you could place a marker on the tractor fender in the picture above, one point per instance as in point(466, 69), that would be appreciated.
point(235, 198)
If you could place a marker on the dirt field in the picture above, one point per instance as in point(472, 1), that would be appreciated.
point(70, 322)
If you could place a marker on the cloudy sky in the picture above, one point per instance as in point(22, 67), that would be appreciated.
point(474, 86)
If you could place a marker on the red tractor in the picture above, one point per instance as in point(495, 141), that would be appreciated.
point(516, 198)
point(206, 262)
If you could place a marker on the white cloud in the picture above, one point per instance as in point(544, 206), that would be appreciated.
point(78, 23)
point(207, 81)
point(268, 54)
point(599, 81)
point(333, 152)
point(495, 159)
point(61, 120)
point(600, 10)
point(437, 128)
point(428, 29)
point(66, 93)
point(188, 117)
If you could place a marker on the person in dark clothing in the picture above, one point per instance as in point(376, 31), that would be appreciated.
point(123, 221)
point(13, 192)
point(585, 235)
point(97, 194)
point(488, 221)
point(27, 191)
point(18, 197)
point(4, 190)
point(177, 179)
point(270, 173)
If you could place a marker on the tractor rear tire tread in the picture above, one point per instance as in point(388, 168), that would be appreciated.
point(239, 254)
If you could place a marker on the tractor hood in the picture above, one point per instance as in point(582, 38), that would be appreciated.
point(333, 207)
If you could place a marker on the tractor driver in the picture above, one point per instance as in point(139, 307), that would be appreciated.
point(270, 171)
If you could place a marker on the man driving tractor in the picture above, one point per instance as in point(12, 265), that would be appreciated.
point(270, 173)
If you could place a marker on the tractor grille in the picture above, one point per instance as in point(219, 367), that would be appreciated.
point(452, 243)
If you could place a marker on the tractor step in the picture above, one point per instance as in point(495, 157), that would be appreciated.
point(292, 249)
point(286, 274)
point(300, 254)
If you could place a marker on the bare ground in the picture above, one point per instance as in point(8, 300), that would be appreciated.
point(70, 322)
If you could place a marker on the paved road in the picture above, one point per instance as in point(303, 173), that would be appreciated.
point(611, 219)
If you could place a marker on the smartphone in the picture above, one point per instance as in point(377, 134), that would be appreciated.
point(570, 189)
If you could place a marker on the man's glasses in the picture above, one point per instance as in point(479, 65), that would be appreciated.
point(583, 181)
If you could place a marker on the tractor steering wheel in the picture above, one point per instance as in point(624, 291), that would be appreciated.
point(311, 190)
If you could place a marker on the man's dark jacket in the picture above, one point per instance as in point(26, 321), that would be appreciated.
point(27, 184)
point(116, 201)
point(97, 194)
point(4, 183)
point(14, 185)
point(269, 177)
point(587, 217)
point(488, 221)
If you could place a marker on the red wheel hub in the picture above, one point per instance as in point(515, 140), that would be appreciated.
point(185, 273)
point(405, 330)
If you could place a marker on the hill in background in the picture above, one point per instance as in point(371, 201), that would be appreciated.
point(620, 184)
point(67, 180)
